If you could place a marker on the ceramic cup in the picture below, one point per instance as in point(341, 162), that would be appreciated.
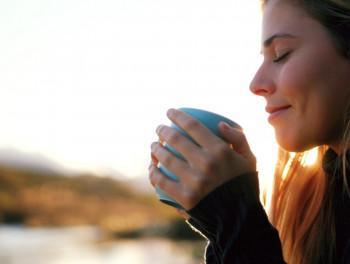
point(210, 120)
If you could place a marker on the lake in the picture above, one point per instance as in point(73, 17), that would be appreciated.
point(76, 245)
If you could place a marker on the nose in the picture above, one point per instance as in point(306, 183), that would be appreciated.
point(262, 84)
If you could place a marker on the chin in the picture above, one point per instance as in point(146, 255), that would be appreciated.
point(293, 145)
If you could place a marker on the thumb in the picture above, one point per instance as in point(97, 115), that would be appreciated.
point(236, 138)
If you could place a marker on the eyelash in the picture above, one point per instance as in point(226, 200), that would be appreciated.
point(281, 57)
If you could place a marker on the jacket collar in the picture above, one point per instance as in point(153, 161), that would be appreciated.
point(332, 163)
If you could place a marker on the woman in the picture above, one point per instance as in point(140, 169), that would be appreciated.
point(305, 80)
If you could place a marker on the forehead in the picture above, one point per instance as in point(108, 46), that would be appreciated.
point(284, 17)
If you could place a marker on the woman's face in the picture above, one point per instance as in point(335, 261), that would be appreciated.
point(305, 81)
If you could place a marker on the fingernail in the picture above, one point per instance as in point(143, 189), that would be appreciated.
point(158, 129)
point(170, 111)
point(226, 125)
point(152, 145)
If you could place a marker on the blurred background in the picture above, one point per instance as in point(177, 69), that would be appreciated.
point(83, 85)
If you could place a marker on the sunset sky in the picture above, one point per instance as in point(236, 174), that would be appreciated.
point(87, 82)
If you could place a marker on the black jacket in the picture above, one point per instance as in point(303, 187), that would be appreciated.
point(236, 225)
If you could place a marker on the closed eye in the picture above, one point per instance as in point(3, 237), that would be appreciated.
point(281, 57)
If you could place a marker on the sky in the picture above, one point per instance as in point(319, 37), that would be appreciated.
point(86, 82)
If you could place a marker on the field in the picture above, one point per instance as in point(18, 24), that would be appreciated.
point(35, 199)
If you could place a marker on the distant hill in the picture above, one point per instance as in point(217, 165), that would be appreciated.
point(140, 184)
point(37, 162)
point(32, 162)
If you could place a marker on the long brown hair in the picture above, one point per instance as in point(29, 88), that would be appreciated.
point(302, 199)
point(301, 209)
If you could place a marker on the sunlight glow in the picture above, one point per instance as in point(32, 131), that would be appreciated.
point(87, 82)
point(310, 157)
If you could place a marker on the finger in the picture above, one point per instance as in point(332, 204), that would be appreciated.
point(173, 163)
point(237, 138)
point(178, 142)
point(193, 127)
point(154, 159)
point(161, 141)
point(189, 184)
point(197, 160)
point(164, 183)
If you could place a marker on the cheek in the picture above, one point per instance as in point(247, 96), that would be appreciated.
point(291, 78)
point(301, 76)
point(300, 85)
point(316, 92)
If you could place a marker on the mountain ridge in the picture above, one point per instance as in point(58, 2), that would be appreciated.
point(33, 161)
point(37, 162)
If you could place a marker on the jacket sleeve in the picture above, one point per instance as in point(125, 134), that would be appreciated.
point(346, 256)
point(235, 223)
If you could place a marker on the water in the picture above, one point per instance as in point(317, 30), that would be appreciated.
point(22, 245)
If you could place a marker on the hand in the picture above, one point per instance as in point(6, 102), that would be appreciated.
point(209, 163)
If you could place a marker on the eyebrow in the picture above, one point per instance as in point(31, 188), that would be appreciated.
point(269, 41)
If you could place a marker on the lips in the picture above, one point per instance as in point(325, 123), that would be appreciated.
point(276, 112)
point(273, 109)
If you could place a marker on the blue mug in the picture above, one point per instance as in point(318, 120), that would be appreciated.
point(210, 120)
